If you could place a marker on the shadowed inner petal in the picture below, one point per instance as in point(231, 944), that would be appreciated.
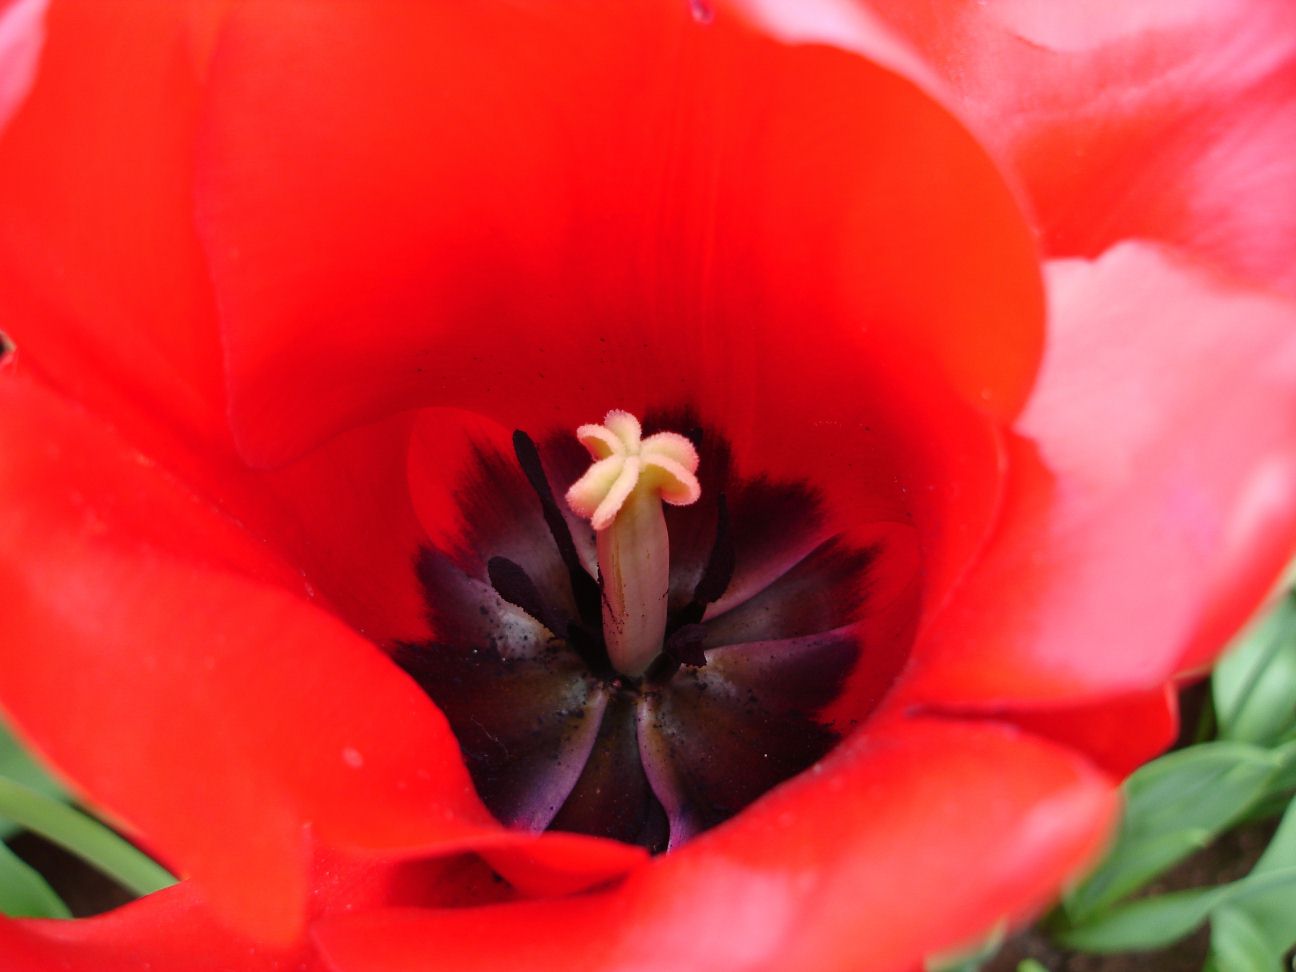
point(763, 633)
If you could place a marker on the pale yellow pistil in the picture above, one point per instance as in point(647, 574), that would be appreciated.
point(622, 495)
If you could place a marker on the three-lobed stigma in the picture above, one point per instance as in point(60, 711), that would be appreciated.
point(622, 494)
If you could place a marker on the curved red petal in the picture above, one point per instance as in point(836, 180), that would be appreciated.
point(175, 930)
point(103, 284)
point(553, 210)
point(170, 931)
point(1118, 733)
point(1170, 120)
point(860, 868)
point(342, 514)
point(1164, 459)
point(211, 688)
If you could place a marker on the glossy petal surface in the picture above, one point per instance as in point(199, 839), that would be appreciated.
point(1153, 509)
point(1169, 120)
point(22, 34)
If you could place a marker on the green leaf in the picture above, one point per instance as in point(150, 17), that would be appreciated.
point(1238, 945)
point(1281, 788)
point(1263, 924)
point(1281, 852)
point(1174, 806)
point(1254, 686)
point(82, 835)
point(968, 960)
point(18, 765)
point(1285, 779)
point(24, 893)
point(1031, 965)
point(1153, 923)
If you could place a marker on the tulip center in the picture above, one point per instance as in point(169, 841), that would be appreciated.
point(649, 657)
point(622, 495)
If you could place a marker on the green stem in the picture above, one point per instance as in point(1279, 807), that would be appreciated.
point(83, 836)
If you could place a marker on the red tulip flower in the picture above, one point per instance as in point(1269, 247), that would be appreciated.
point(963, 335)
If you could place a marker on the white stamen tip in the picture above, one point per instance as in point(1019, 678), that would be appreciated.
point(664, 464)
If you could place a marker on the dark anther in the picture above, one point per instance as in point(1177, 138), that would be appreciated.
point(513, 584)
point(715, 576)
point(685, 645)
point(591, 650)
point(720, 565)
point(585, 589)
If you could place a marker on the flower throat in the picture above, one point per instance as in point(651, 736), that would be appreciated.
point(616, 667)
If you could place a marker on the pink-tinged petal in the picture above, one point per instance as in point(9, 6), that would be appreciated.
point(22, 32)
point(1164, 452)
point(844, 23)
point(1170, 120)
point(860, 867)
point(554, 208)
point(103, 285)
point(214, 691)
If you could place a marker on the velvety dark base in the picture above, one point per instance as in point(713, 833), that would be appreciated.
point(760, 638)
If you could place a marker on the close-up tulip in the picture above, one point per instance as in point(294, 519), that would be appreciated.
point(627, 484)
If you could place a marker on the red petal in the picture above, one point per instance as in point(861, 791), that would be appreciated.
point(863, 867)
point(22, 33)
point(342, 515)
point(171, 931)
point(1170, 120)
point(1118, 733)
point(175, 931)
point(103, 285)
point(212, 694)
point(1158, 505)
point(545, 212)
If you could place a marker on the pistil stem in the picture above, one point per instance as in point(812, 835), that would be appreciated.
point(622, 494)
point(634, 561)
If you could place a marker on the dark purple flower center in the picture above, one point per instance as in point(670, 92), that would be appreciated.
point(761, 636)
